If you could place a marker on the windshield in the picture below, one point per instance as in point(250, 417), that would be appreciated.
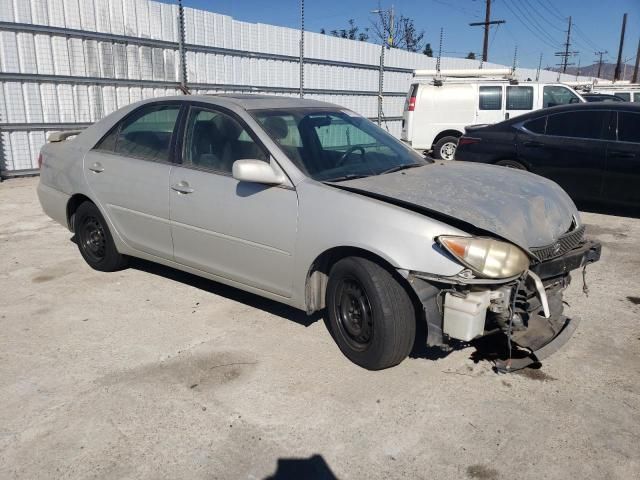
point(334, 145)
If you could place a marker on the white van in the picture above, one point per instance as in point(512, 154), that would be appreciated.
point(440, 104)
point(629, 92)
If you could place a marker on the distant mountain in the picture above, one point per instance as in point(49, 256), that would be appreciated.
point(592, 70)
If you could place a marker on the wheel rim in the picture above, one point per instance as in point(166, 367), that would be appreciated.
point(448, 151)
point(92, 238)
point(354, 315)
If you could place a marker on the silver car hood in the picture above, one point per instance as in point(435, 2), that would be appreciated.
point(521, 207)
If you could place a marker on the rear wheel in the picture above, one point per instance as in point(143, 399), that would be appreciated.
point(511, 164)
point(445, 148)
point(371, 316)
point(95, 241)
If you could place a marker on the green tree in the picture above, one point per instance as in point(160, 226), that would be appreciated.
point(471, 56)
point(427, 50)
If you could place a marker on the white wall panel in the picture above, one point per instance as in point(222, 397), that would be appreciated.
point(46, 54)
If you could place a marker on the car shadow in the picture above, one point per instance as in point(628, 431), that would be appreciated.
point(270, 306)
point(312, 468)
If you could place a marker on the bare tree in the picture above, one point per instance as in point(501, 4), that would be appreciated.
point(402, 33)
point(352, 32)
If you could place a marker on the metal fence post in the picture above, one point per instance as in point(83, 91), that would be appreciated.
point(301, 48)
point(181, 50)
point(380, 85)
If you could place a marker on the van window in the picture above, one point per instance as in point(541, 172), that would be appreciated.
point(580, 124)
point(629, 127)
point(636, 97)
point(490, 98)
point(537, 125)
point(626, 96)
point(519, 98)
point(553, 95)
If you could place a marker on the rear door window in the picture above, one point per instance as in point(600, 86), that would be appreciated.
point(490, 98)
point(147, 133)
point(629, 127)
point(636, 97)
point(519, 98)
point(582, 124)
point(626, 96)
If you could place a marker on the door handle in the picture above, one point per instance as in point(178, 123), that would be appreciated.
point(182, 187)
point(621, 154)
point(533, 144)
point(97, 168)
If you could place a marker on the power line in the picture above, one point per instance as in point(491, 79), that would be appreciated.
point(553, 16)
point(533, 32)
point(526, 14)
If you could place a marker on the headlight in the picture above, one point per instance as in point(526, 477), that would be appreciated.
point(486, 257)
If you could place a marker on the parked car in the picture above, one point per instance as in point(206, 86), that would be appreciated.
point(440, 104)
point(601, 97)
point(312, 205)
point(591, 150)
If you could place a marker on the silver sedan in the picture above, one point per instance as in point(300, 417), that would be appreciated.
point(312, 205)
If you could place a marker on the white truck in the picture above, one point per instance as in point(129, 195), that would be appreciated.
point(441, 103)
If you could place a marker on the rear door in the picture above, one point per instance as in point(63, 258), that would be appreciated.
point(570, 149)
point(490, 104)
point(519, 100)
point(622, 175)
point(128, 172)
point(407, 115)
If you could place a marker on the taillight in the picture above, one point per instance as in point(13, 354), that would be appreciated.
point(468, 140)
point(40, 161)
point(412, 104)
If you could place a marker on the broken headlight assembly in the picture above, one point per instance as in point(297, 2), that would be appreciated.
point(486, 257)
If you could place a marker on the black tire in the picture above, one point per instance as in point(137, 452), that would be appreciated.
point(511, 164)
point(441, 150)
point(371, 316)
point(95, 241)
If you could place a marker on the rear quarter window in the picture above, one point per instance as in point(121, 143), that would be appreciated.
point(537, 125)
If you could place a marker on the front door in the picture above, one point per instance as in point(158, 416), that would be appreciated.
point(244, 232)
point(622, 174)
point(128, 172)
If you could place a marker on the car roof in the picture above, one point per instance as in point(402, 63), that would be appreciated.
point(251, 101)
point(576, 107)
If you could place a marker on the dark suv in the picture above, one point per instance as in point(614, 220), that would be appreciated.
point(591, 149)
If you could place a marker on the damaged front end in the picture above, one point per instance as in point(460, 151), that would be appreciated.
point(527, 308)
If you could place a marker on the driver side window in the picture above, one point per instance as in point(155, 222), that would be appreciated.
point(214, 141)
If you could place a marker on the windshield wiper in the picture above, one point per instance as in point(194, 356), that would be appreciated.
point(349, 176)
point(397, 168)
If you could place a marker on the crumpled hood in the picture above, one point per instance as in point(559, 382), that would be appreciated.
point(526, 209)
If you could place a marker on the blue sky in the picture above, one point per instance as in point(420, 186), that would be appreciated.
point(536, 26)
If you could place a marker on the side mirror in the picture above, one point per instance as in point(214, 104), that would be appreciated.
point(257, 171)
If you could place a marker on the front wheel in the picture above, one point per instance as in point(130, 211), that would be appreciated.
point(445, 148)
point(95, 241)
point(511, 164)
point(371, 316)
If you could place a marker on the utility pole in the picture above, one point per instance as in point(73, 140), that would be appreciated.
point(539, 67)
point(616, 74)
point(486, 24)
point(635, 69)
point(301, 48)
point(566, 53)
point(600, 54)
